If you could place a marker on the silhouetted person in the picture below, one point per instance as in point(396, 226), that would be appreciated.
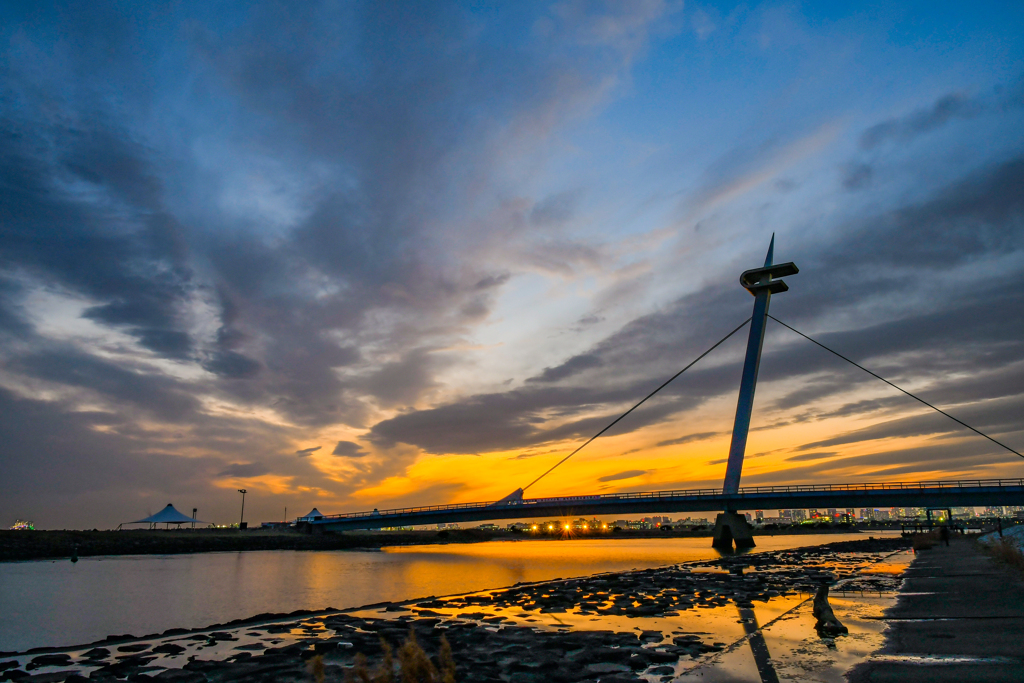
point(944, 534)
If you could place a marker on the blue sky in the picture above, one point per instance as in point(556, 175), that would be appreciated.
point(361, 254)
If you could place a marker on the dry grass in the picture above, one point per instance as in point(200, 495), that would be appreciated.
point(1007, 552)
point(414, 665)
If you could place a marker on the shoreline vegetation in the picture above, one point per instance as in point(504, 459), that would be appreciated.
point(17, 546)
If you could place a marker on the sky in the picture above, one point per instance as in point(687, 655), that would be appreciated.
point(366, 255)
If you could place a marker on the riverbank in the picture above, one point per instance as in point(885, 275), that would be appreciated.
point(43, 545)
point(653, 624)
point(960, 617)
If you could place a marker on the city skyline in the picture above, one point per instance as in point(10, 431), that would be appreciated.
point(368, 255)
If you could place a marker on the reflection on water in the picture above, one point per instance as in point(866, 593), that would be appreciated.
point(59, 603)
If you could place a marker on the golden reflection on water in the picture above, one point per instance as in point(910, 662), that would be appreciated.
point(59, 603)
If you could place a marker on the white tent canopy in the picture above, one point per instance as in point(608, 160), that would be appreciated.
point(169, 515)
point(314, 513)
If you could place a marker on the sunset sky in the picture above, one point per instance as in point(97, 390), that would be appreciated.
point(373, 254)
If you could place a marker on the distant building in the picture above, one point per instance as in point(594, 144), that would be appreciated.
point(759, 515)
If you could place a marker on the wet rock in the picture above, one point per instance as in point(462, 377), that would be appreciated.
point(96, 653)
point(168, 649)
point(827, 623)
point(180, 676)
point(50, 677)
point(48, 660)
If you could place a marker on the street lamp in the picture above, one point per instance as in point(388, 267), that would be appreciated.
point(242, 517)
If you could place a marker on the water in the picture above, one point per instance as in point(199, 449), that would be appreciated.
point(57, 603)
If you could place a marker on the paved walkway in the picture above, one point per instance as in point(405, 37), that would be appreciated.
point(960, 617)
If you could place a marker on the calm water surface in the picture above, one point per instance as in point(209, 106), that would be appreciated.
point(56, 603)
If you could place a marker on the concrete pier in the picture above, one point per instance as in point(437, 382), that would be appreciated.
point(960, 617)
point(730, 527)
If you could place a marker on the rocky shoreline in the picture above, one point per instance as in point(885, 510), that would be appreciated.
point(625, 626)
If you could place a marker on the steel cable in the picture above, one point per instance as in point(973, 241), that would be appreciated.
point(616, 420)
point(916, 398)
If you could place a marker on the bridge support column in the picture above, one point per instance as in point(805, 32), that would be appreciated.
point(732, 527)
point(762, 283)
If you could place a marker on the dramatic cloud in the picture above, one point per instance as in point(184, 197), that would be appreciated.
point(332, 252)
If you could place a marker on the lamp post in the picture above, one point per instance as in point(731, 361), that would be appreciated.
point(242, 517)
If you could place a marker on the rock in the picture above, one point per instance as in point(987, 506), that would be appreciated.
point(48, 660)
point(827, 623)
point(96, 653)
point(180, 676)
point(606, 668)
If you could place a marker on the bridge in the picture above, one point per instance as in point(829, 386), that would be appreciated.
point(730, 526)
point(933, 494)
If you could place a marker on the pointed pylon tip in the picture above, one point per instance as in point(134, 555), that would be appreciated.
point(770, 257)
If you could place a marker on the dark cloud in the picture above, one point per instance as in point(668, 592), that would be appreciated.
point(856, 176)
point(244, 470)
point(573, 366)
point(231, 365)
point(689, 438)
point(349, 449)
point(306, 452)
point(629, 474)
point(152, 393)
point(946, 108)
point(812, 456)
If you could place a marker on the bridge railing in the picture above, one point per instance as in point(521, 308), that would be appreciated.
point(693, 493)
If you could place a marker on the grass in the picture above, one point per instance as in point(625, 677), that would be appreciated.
point(414, 665)
point(1007, 552)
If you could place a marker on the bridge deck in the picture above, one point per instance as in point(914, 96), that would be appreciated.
point(964, 493)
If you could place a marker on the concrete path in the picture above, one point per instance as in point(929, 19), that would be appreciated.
point(959, 617)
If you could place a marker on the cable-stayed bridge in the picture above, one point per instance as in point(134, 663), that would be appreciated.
point(730, 526)
point(932, 494)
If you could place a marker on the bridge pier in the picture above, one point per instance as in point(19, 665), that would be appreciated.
point(732, 527)
point(761, 283)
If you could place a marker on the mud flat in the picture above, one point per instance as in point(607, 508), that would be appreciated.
point(959, 618)
point(693, 620)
